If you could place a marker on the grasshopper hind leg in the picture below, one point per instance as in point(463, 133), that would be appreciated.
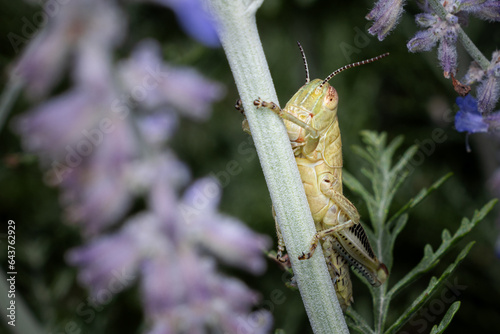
point(339, 272)
point(322, 235)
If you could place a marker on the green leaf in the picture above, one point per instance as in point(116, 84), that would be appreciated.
point(363, 154)
point(431, 258)
point(426, 295)
point(385, 180)
point(420, 196)
point(356, 322)
point(356, 187)
point(405, 160)
point(446, 319)
point(389, 239)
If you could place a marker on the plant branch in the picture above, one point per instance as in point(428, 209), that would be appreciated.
point(237, 30)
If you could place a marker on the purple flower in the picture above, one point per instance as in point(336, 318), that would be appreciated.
point(53, 128)
point(86, 30)
point(222, 235)
point(487, 94)
point(192, 294)
point(87, 150)
point(486, 10)
point(96, 192)
point(168, 177)
point(188, 293)
point(474, 74)
point(103, 256)
point(439, 31)
point(104, 144)
point(488, 91)
point(158, 127)
point(153, 84)
point(424, 40)
point(385, 16)
point(447, 53)
point(445, 31)
point(468, 119)
point(194, 20)
point(179, 281)
point(493, 120)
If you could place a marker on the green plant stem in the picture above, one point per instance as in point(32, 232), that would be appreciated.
point(237, 30)
point(462, 36)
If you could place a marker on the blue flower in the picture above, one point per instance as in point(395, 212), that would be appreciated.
point(468, 119)
point(194, 20)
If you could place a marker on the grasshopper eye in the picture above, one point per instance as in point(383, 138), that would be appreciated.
point(331, 98)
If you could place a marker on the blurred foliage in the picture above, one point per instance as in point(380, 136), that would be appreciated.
point(386, 177)
point(402, 94)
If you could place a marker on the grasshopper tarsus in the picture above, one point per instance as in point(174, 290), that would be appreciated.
point(269, 105)
point(304, 256)
point(239, 106)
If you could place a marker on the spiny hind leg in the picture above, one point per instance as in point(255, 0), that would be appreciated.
point(313, 133)
point(342, 207)
point(322, 234)
point(244, 125)
point(339, 272)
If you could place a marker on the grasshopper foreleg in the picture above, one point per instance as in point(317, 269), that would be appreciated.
point(313, 133)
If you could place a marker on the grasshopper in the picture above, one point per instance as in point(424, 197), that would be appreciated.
point(311, 121)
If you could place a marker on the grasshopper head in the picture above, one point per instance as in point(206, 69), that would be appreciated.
point(324, 101)
point(317, 100)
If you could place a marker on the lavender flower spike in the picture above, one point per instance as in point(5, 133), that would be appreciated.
point(86, 29)
point(486, 10)
point(442, 31)
point(181, 88)
point(385, 16)
point(447, 53)
point(224, 236)
point(424, 40)
point(488, 91)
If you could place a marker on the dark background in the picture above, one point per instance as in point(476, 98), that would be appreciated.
point(402, 94)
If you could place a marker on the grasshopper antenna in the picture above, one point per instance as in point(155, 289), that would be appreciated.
point(305, 61)
point(359, 63)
